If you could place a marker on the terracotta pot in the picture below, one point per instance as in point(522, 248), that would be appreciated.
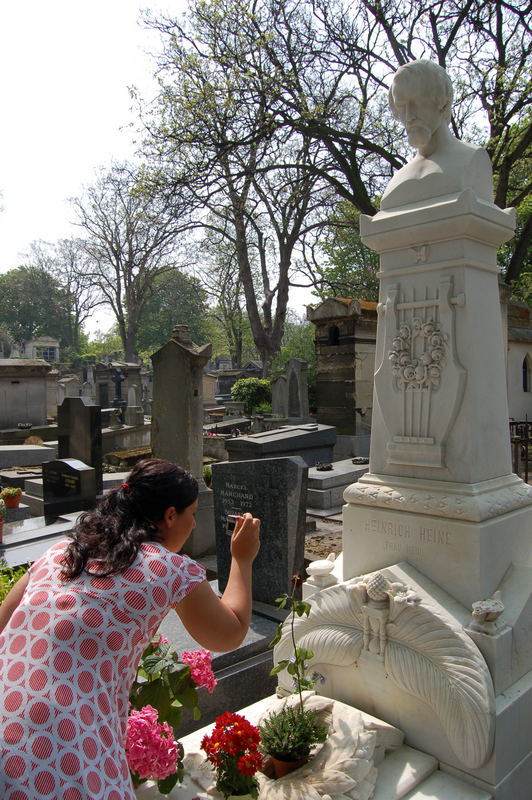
point(240, 797)
point(12, 502)
point(282, 768)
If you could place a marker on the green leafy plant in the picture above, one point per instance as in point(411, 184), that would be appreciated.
point(290, 733)
point(9, 575)
point(165, 683)
point(253, 392)
point(10, 491)
point(2, 510)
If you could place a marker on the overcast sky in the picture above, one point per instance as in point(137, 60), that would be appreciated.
point(65, 68)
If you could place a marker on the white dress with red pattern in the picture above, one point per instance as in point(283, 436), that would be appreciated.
point(67, 660)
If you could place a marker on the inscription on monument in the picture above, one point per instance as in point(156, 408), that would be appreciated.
point(400, 537)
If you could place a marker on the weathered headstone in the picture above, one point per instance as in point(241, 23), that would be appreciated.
point(296, 375)
point(80, 434)
point(273, 489)
point(177, 421)
point(68, 485)
point(280, 396)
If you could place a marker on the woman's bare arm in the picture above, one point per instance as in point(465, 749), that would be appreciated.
point(221, 623)
point(12, 600)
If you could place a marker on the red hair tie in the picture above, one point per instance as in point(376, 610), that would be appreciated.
point(124, 486)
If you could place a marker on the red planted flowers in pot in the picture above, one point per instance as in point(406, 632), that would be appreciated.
point(233, 751)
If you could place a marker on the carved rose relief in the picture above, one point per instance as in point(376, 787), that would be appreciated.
point(424, 369)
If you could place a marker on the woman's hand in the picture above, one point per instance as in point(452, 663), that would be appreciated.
point(245, 541)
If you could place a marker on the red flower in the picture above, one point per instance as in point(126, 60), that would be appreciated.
point(250, 763)
point(296, 580)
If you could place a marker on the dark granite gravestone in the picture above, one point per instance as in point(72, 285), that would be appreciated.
point(68, 485)
point(273, 489)
point(80, 434)
point(314, 443)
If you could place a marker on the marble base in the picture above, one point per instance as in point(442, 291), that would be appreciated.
point(402, 771)
point(468, 557)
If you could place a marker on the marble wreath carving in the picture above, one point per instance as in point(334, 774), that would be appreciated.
point(421, 364)
point(422, 653)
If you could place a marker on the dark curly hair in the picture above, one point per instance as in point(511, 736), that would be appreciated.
point(113, 531)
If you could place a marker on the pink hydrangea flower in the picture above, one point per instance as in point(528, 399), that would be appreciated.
point(152, 751)
point(200, 665)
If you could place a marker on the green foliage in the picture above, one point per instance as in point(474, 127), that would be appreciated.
point(207, 474)
point(32, 304)
point(103, 344)
point(290, 734)
point(177, 299)
point(352, 267)
point(9, 575)
point(164, 683)
point(10, 491)
point(253, 392)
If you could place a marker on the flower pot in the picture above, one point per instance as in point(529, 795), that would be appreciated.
point(240, 797)
point(282, 768)
point(12, 502)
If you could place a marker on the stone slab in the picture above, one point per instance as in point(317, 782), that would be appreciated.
point(22, 511)
point(343, 473)
point(312, 442)
point(24, 455)
point(28, 539)
point(401, 771)
point(335, 512)
point(441, 786)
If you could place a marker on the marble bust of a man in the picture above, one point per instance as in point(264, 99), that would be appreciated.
point(420, 97)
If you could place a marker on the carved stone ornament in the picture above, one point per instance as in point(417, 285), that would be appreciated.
point(486, 613)
point(422, 653)
point(442, 499)
point(342, 769)
point(420, 363)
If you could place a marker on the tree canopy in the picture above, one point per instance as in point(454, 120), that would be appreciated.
point(314, 74)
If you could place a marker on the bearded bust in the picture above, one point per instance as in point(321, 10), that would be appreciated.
point(420, 97)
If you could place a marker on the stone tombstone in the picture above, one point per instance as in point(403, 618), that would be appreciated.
point(280, 397)
point(440, 497)
point(80, 434)
point(296, 374)
point(134, 412)
point(273, 489)
point(177, 421)
point(68, 485)
point(132, 395)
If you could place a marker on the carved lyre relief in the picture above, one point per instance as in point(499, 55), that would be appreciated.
point(420, 364)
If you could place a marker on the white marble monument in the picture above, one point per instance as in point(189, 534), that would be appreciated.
point(440, 494)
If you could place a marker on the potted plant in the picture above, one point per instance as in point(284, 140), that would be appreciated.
point(289, 735)
point(11, 496)
point(233, 751)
